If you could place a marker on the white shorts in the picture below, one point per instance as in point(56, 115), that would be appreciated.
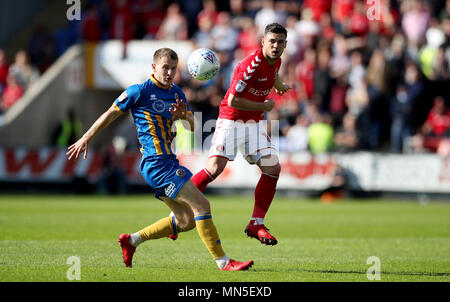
point(250, 139)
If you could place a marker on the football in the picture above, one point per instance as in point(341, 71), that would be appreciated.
point(203, 64)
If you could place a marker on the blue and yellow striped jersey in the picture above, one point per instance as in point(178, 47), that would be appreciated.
point(149, 103)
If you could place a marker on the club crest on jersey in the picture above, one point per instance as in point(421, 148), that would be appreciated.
point(122, 97)
point(180, 172)
point(240, 86)
point(177, 96)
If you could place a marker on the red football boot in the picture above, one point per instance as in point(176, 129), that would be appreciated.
point(173, 236)
point(234, 265)
point(261, 233)
point(127, 249)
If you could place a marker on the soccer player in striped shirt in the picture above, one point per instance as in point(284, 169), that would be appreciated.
point(155, 105)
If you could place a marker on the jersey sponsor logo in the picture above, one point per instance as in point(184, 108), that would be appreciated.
point(170, 189)
point(220, 148)
point(159, 106)
point(123, 96)
point(240, 86)
point(259, 92)
point(262, 79)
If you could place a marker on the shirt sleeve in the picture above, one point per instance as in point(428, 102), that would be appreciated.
point(127, 99)
point(243, 78)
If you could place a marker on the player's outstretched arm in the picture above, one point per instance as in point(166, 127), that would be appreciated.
point(83, 143)
point(249, 105)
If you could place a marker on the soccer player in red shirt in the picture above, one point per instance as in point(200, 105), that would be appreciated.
point(240, 126)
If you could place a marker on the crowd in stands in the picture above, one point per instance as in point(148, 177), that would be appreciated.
point(364, 75)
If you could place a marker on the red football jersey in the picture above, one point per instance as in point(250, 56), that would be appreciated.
point(253, 79)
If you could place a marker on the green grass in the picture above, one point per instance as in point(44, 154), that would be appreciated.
point(317, 242)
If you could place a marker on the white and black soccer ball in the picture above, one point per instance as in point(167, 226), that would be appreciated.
point(203, 64)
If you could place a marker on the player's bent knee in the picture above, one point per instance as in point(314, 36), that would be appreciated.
point(274, 170)
point(216, 167)
point(186, 225)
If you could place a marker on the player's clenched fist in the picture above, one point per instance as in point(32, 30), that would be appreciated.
point(269, 103)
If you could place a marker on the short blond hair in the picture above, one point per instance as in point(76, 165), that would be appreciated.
point(164, 52)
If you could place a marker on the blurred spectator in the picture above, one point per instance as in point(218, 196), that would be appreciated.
point(41, 48)
point(358, 24)
point(174, 26)
point(268, 14)
point(320, 134)
point(435, 129)
point(122, 26)
point(202, 37)
point(248, 38)
point(297, 135)
point(318, 7)
point(141, 10)
point(341, 11)
point(307, 28)
point(91, 26)
point(238, 13)
point(340, 60)
point(337, 106)
point(346, 138)
point(294, 44)
point(68, 131)
point(435, 38)
point(415, 21)
point(22, 71)
point(357, 71)
point(4, 68)
point(209, 11)
point(11, 94)
point(223, 35)
point(402, 107)
point(327, 31)
point(395, 57)
point(377, 85)
point(304, 74)
point(322, 78)
point(153, 19)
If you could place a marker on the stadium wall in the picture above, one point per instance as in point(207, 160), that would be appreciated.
point(364, 172)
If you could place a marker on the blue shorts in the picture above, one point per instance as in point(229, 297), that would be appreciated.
point(165, 175)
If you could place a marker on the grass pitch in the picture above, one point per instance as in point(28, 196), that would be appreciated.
point(317, 242)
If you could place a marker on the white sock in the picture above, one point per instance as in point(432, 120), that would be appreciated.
point(222, 261)
point(258, 220)
point(135, 239)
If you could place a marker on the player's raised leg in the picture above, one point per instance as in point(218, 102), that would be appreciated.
point(190, 195)
point(214, 167)
point(264, 194)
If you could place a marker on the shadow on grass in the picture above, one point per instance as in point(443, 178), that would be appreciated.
point(429, 274)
